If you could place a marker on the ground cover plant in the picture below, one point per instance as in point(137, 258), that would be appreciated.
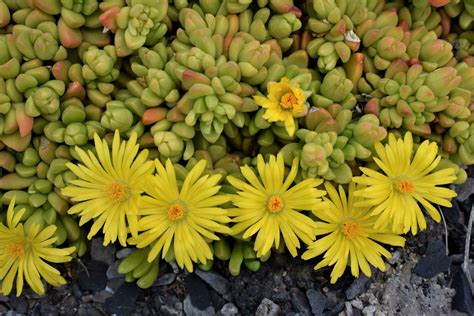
point(196, 131)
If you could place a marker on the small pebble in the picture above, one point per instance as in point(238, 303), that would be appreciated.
point(229, 309)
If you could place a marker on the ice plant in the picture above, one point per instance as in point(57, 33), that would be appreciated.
point(350, 237)
point(179, 218)
point(285, 101)
point(270, 206)
point(404, 181)
point(24, 252)
point(109, 186)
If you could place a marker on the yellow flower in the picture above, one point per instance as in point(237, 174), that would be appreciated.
point(404, 181)
point(109, 187)
point(268, 206)
point(284, 102)
point(350, 236)
point(24, 254)
point(181, 217)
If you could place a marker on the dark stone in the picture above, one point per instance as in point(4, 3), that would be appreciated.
point(76, 291)
point(216, 300)
point(299, 301)
point(123, 300)
point(102, 253)
point(357, 287)
point(95, 278)
point(356, 312)
point(451, 214)
point(317, 301)
point(190, 309)
point(466, 207)
point(434, 262)
point(197, 291)
point(462, 301)
point(337, 308)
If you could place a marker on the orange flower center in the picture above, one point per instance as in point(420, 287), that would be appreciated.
point(275, 204)
point(404, 186)
point(117, 192)
point(175, 212)
point(16, 249)
point(350, 229)
point(288, 100)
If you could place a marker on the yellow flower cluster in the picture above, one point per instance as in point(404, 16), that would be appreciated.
point(24, 252)
point(123, 193)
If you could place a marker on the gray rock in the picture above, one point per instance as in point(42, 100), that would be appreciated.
point(124, 253)
point(3, 298)
point(349, 310)
point(267, 308)
point(299, 301)
point(229, 309)
point(214, 280)
point(100, 253)
point(317, 301)
point(358, 304)
point(369, 310)
point(165, 279)
point(112, 271)
point(191, 310)
point(357, 287)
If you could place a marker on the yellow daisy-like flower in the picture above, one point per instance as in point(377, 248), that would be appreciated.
point(109, 187)
point(284, 102)
point(268, 207)
point(404, 181)
point(23, 254)
point(350, 236)
point(181, 217)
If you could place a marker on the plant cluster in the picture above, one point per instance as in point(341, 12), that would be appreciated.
point(204, 129)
